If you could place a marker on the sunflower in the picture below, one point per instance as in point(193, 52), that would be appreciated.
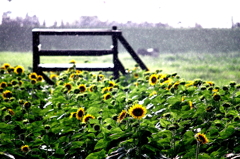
point(72, 62)
point(121, 116)
point(3, 84)
point(80, 113)
point(53, 76)
point(93, 88)
point(68, 86)
point(18, 69)
point(27, 105)
point(82, 87)
point(11, 112)
point(87, 117)
point(111, 83)
point(73, 114)
point(14, 82)
point(40, 78)
point(33, 81)
point(6, 65)
point(190, 104)
point(201, 138)
point(106, 96)
point(25, 148)
point(33, 75)
point(137, 111)
point(7, 94)
point(153, 79)
point(135, 75)
point(100, 77)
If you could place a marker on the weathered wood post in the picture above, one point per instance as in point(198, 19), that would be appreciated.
point(115, 52)
point(36, 58)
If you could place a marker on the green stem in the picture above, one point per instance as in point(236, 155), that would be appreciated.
point(197, 149)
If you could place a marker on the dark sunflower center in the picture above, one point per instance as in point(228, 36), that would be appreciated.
point(68, 87)
point(82, 88)
point(80, 114)
point(25, 149)
point(137, 112)
point(87, 118)
point(19, 70)
point(201, 138)
point(154, 79)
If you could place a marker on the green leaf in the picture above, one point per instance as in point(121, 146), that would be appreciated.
point(97, 155)
point(101, 144)
point(227, 132)
point(164, 123)
point(60, 151)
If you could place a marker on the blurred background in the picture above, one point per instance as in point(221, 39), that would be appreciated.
point(196, 38)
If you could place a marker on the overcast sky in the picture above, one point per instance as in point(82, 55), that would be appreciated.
point(208, 13)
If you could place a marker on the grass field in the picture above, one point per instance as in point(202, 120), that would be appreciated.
point(218, 67)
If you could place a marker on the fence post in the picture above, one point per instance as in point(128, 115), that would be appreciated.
point(115, 53)
point(36, 58)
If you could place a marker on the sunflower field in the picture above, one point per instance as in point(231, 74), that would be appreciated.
point(144, 114)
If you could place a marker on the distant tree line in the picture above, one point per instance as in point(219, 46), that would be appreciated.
point(16, 35)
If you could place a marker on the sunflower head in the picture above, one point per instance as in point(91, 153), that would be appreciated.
point(106, 96)
point(121, 116)
point(3, 84)
point(87, 117)
point(137, 111)
point(32, 75)
point(80, 113)
point(19, 70)
point(82, 87)
point(25, 148)
point(27, 105)
point(53, 77)
point(68, 86)
point(111, 83)
point(153, 79)
point(7, 94)
point(73, 114)
point(100, 77)
point(93, 88)
point(201, 138)
point(72, 62)
point(6, 65)
point(40, 78)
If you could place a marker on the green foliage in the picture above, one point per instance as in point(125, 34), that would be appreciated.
point(46, 119)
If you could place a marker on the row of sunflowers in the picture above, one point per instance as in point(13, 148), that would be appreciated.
point(92, 115)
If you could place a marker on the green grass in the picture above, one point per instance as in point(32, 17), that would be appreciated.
point(218, 67)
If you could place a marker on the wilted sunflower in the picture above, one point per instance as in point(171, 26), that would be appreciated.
point(153, 79)
point(80, 113)
point(25, 148)
point(6, 65)
point(18, 69)
point(7, 94)
point(87, 117)
point(201, 138)
point(137, 111)
point(82, 87)
point(3, 84)
point(121, 116)
point(33, 75)
point(106, 96)
point(68, 86)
